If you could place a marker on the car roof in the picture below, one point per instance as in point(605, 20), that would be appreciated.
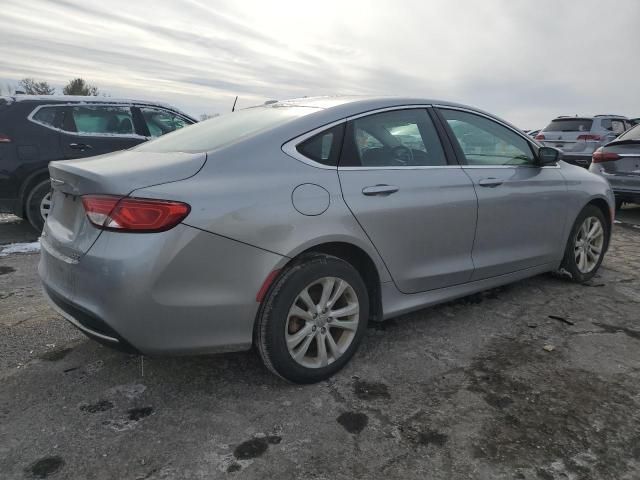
point(79, 99)
point(361, 102)
point(335, 108)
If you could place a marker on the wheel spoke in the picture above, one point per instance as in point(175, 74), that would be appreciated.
point(327, 288)
point(333, 347)
point(583, 262)
point(345, 324)
point(595, 231)
point(595, 249)
point(350, 309)
point(302, 351)
point(294, 340)
point(306, 298)
point(338, 291)
point(296, 311)
point(322, 350)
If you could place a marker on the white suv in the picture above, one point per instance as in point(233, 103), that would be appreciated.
point(579, 137)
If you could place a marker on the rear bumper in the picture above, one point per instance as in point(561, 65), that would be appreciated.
point(178, 292)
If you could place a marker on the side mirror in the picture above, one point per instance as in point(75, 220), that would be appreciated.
point(549, 155)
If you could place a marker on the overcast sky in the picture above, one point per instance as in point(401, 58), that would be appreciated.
point(526, 61)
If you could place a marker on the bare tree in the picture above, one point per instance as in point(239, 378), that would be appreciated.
point(79, 86)
point(32, 87)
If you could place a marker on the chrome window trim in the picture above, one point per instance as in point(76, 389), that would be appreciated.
point(400, 167)
point(290, 147)
point(389, 109)
point(510, 166)
point(84, 134)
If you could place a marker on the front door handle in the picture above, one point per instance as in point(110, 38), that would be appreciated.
point(379, 189)
point(80, 146)
point(490, 182)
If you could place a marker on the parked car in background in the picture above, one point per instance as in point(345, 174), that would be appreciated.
point(579, 137)
point(619, 163)
point(533, 133)
point(35, 130)
point(289, 226)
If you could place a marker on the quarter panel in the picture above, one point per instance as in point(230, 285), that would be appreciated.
point(244, 192)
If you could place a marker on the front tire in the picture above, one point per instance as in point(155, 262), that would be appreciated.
point(313, 319)
point(38, 204)
point(586, 245)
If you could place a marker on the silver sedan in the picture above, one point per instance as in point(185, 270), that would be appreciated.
point(289, 226)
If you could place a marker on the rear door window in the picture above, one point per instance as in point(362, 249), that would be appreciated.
point(103, 120)
point(399, 138)
point(324, 147)
point(569, 125)
point(161, 121)
point(617, 126)
point(49, 116)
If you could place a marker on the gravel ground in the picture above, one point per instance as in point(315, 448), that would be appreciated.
point(536, 380)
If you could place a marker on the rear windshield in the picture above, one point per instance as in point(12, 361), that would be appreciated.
point(633, 134)
point(569, 125)
point(225, 129)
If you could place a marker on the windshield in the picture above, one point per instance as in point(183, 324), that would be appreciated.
point(569, 125)
point(225, 129)
point(633, 134)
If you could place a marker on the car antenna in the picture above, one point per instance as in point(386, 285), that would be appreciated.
point(233, 109)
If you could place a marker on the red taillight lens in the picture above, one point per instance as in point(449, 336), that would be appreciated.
point(600, 156)
point(590, 138)
point(4, 138)
point(109, 212)
point(540, 136)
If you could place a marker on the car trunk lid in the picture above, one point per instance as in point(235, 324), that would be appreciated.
point(568, 134)
point(68, 233)
point(624, 168)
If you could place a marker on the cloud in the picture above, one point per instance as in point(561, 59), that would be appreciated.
point(525, 61)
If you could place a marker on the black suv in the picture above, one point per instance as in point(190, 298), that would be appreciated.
point(35, 130)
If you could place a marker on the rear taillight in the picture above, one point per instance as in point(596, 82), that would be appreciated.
point(109, 212)
point(600, 156)
point(590, 138)
point(4, 138)
point(540, 136)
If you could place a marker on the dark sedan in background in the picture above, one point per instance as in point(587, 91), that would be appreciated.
point(619, 163)
point(35, 130)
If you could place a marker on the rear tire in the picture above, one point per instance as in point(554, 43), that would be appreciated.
point(586, 245)
point(38, 204)
point(298, 318)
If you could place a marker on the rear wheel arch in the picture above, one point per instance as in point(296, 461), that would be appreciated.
point(363, 263)
point(356, 257)
point(603, 206)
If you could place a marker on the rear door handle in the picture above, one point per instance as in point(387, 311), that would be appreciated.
point(490, 182)
point(380, 189)
point(80, 146)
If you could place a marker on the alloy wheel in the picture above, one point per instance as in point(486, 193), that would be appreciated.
point(322, 322)
point(588, 244)
point(45, 206)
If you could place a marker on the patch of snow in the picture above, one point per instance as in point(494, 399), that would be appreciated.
point(33, 247)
